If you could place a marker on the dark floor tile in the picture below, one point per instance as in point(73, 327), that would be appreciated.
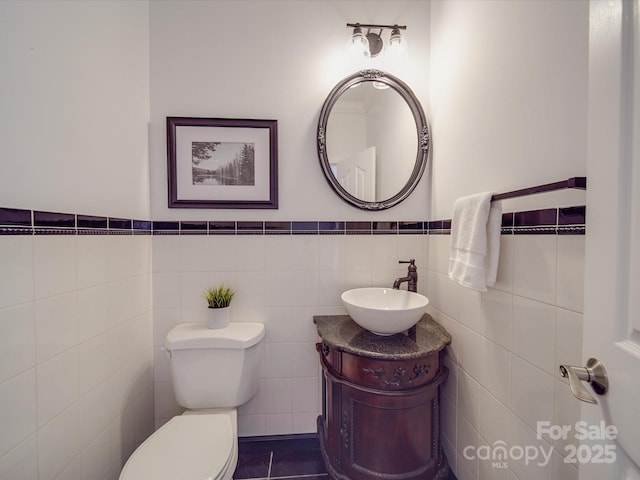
point(293, 458)
point(253, 462)
point(254, 446)
point(302, 443)
point(323, 476)
point(294, 461)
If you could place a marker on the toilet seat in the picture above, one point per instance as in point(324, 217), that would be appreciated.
point(187, 447)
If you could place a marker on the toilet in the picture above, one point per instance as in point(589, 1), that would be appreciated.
point(213, 371)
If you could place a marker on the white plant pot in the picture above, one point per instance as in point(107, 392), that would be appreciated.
point(218, 317)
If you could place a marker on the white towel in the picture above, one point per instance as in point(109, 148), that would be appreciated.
point(475, 241)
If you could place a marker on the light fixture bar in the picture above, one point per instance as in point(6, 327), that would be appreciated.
point(367, 25)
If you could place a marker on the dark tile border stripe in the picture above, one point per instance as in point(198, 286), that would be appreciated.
point(571, 230)
point(572, 215)
point(277, 228)
point(533, 218)
point(438, 227)
point(386, 228)
point(250, 228)
point(168, 227)
point(96, 223)
point(120, 224)
point(358, 228)
point(304, 228)
point(331, 228)
point(54, 220)
point(193, 228)
point(411, 227)
point(16, 230)
point(142, 226)
point(222, 228)
point(549, 221)
point(15, 216)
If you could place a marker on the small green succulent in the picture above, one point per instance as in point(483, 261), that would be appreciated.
point(219, 297)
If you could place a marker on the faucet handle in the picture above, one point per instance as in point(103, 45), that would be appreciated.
point(411, 261)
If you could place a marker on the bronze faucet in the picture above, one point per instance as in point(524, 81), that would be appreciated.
point(411, 278)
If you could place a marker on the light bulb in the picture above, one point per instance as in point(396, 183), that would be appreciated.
point(397, 44)
point(358, 43)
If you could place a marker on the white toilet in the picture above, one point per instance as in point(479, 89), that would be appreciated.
point(213, 372)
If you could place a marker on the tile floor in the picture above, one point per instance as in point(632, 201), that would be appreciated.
point(290, 458)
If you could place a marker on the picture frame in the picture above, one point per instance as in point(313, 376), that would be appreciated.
point(222, 163)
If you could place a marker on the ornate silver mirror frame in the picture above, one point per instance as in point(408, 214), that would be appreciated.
point(422, 128)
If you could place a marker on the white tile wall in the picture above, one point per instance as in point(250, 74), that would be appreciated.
point(92, 260)
point(56, 325)
point(534, 332)
point(531, 392)
point(18, 409)
point(534, 267)
point(281, 281)
point(54, 264)
point(20, 461)
point(17, 340)
point(76, 389)
point(16, 282)
point(507, 345)
point(82, 358)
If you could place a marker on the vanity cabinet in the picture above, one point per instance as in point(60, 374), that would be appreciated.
point(380, 412)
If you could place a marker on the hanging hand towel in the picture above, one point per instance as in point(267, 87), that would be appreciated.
point(475, 241)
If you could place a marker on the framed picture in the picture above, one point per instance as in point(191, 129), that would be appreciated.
point(222, 163)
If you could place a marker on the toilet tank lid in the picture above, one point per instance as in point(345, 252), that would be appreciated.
point(238, 335)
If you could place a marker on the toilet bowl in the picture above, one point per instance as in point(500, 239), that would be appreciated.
point(191, 446)
point(213, 371)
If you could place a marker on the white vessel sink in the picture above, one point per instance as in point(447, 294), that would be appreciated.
point(384, 311)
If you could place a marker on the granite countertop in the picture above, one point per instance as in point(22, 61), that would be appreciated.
point(342, 333)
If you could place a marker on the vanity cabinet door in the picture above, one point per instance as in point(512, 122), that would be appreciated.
point(330, 422)
point(390, 435)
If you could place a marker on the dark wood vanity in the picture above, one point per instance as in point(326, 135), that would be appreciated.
point(380, 410)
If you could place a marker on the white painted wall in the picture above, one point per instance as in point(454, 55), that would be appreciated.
point(508, 96)
point(274, 60)
point(74, 95)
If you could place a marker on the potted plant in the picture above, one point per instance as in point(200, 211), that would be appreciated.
point(219, 300)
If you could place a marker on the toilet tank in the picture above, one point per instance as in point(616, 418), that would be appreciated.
point(214, 368)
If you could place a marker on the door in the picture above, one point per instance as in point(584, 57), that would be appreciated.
point(357, 174)
point(612, 257)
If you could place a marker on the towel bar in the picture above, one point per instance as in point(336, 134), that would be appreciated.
point(574, 182)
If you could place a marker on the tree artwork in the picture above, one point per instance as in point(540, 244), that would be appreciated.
point(201, 151)
point(223, 163)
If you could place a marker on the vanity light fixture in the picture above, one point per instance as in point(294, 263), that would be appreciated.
point(372, 44)
point(397, 42)
point(358, 43)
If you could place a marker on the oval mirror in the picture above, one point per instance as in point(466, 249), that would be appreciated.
point(373, 140)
